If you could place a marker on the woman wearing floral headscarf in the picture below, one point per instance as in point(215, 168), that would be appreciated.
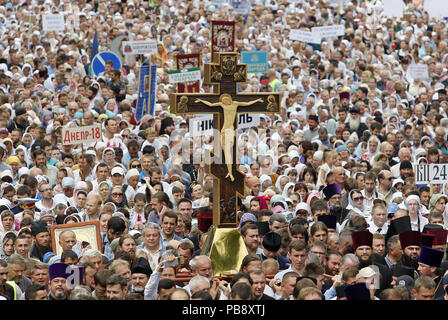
point(104, 188)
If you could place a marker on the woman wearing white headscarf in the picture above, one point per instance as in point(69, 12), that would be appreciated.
point(415, 209)
point(356, 204)
point(373, 147)
point(281, 182)
point(288, 186)
point(265, 182)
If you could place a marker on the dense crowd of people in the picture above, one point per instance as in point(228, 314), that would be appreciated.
point(332, 209)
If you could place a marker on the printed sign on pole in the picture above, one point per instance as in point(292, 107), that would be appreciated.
point(329, 31)
point(248, 120)
point(85, 134)
point(434, 173)
point(257, 61)
point(305, 36)
point(53, 22)
point(201, 126)
point(418, 71)
point(191, 74)
point(140, 47)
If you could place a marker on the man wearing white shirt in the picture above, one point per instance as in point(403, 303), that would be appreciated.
point(370, 193)
point(298, 253)
point(47, 203)
point(378, 221)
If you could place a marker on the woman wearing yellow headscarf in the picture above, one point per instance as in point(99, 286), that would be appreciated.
point(161, 52)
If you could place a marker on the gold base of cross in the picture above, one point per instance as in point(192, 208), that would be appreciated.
point(226, 249)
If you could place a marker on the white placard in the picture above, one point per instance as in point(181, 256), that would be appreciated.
point(185, 75)
point(53, 22)
point(305, 36)
point(418, 71)
point(201, 126)
point(139, 47)
point(434, 173)
point(393, 8)
point(248, 120)
point(436, 8)
point(77, 135)
point(329, 31)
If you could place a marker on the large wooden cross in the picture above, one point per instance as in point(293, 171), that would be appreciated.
point(225, 103)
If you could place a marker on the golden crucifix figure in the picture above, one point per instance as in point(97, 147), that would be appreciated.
point(228, 129)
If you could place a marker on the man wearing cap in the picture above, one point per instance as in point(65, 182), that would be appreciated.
point(140, 271)
point(406, 169)
point(117, 177)
point(20, 120)
point(59, 272)
point(440, 236)
point(41, 236)
point(411, 242)
point(332, 193)
point(429, 261)
point(362, 244)
point(272, 242)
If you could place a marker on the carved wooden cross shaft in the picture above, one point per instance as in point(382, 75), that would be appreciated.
point(225, 104)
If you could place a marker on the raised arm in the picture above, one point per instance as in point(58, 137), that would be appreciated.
point(207, 103)
point(246, 104)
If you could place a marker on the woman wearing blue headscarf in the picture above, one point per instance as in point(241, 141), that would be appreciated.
point(47, 116)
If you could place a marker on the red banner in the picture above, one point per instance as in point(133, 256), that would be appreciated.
point(185, 61)
point(223, 37)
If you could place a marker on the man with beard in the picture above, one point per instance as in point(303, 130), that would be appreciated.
point(41, 237)
point(141, 271)
point(406, 169)
point(20, 121)
point(313, 128)
point(47, 202)
point(429, 261)
point(332, 194)
point(344, 97)
point(411, 242)
point(404, 154)
point(362, 244)
point(58, 281)
point(167, 126)
point(40, 161)
point(354, 123)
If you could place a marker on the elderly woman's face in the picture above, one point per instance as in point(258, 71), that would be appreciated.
point(110, 105)
point(372, 146)
point(413, 206)
point(104, 191)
